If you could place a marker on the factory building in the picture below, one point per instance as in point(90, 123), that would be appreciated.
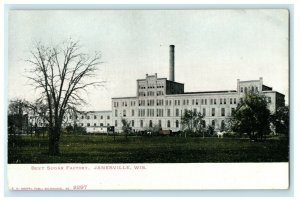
point(162, 102)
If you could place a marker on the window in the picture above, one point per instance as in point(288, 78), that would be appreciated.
point(215, 101)
point(222, 125)
point(124, 113)
point(230, 100)
point(204, 112)
point(224, 100)
point(203, 123)
point(141, 123)
point(221, 100)
point(222, 112)
point(107, 124)
point(82, 117)
point(245, 89)
point(88, 124)
point(213, 110)
point(132, 112)
point(88, 117)
point(269, 100)
point(95, 117)
point(132, 123)
point(195, 110)
point(232, 110)
point(242, 89)
point(234, 100)
point(211, 101)
point(193, 102)
point(159, 123)
point(108, 117)
point(94, 124)
point(101, 117)
point(168, 124)
point(213, 123)
point(256, 89)
point(116, 123)
point(101, 124)
point(177, 123)
point(177, 112)
point(150, 123)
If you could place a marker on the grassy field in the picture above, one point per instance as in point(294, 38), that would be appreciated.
point(159, 149)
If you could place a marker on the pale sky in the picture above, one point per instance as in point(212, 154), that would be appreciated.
point(213, 48)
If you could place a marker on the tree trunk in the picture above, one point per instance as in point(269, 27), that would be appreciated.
point(54, 141)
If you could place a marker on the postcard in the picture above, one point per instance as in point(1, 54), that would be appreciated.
point(148, 99)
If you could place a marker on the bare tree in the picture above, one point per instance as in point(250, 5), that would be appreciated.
point(62, 73)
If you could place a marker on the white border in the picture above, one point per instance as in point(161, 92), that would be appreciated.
point(294, 71)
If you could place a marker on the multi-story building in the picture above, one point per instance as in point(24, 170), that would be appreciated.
point(162, 102)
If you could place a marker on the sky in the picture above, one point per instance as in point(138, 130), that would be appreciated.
point(213, 48)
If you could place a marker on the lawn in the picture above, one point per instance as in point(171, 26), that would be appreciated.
point(137, 149)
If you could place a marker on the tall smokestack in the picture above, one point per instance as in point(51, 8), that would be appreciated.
point(172, 63)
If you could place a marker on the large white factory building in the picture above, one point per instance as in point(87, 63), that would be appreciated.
point(162, 102)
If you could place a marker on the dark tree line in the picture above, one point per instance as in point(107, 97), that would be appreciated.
point(253, 117)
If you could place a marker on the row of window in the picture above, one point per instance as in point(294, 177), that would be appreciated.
point(160, 112)
point(168, 123)
point(151, 87)
point(91, 124)
point(246, 89)
point(213, 101)
point(132, 123)
point(124, 103)
point(151, 93)
point(88, 117)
